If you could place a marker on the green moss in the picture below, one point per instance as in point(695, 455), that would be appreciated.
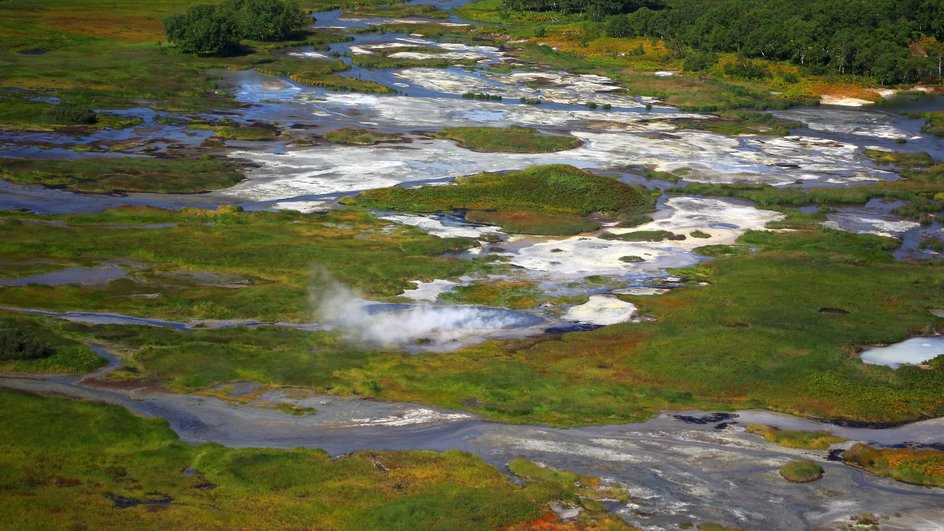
point(378, 60)
point(531, 222)
point(332, 82)
point(558, 190)
point(634, 220)
point(933, 122)
point(515, 295)
point(396, 11)
point(250, 133)
point(643, 236)
point(804, 471)
point(360, 137)
point(127, 174)
point(902, 160)
point(511, 139)
point(808, 440)
point(721, 250)
point(64, 354)
point(742, 123)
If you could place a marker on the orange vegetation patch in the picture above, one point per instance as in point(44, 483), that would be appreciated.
point(919, 467)
point(843, 90)
point(569, 41)
point(114, 25)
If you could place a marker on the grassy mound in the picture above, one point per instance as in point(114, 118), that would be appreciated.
point(36, 345)
point(125, 174)
point(808, 440)
point(359, 137)
point(513, 139)
point(395, 11)
point(916, 466)
point(742, 123)
point(525, 201)
point(644, 236)
point(804, 471)
point(902, 160)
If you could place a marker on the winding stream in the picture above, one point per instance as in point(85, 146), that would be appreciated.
point(678, 466)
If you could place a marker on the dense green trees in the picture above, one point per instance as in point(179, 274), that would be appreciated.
point(893, 41)
point(591, 7)
point(266, 20)
point(204, 30)
point(217, 30)
point(20, 344)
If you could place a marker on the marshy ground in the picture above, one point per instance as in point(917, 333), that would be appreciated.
point(403, 232)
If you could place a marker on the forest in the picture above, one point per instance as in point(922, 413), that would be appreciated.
point(891, 41)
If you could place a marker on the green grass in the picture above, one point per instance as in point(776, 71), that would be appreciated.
point(426, 29)
point(68, 354)
point(513, 139)
point(644, 236)
point(933, 122)
point(753, 338)
point(100, 54)
point(274, 254)
point(503, 294)
point(804, 471)
point(915, 466)
point(807, 440)
point(251, 133)
point(65, 463)
point(553, 198)
point(125, 174)
point(533, 222)
point(385, 61)
point(319, 73)
point(396, 11)
point(902, 160)
point(341, 83)
point(742, 123)
point(360, 137)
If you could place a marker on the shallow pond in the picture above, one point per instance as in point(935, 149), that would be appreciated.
point(914, 351)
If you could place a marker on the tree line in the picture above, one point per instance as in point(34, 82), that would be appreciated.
point(892, 41)
point(218, 30)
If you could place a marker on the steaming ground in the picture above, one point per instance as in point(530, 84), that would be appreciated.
point(563, 266)
point(415, 327)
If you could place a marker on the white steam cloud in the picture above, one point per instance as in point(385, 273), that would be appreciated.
point(363, 321)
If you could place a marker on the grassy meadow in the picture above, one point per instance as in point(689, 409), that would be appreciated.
point(748, 339)
point(511, 139)
point(124, 174)
point(266, 261)
point(552, 200)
